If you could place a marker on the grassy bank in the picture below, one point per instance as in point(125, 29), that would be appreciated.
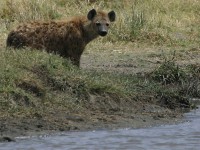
point(160, 39)
point(35, 84)
point(32, 81)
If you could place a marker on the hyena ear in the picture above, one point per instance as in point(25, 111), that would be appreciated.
point(91, 14)
point(111, 16)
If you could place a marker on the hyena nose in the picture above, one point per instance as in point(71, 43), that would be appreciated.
point(103, 33)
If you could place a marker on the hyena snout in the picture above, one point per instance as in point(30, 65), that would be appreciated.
point(102, 31)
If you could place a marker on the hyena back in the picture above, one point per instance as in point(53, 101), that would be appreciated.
point(66, 38)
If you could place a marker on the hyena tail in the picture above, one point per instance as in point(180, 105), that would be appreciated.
point(14, 40)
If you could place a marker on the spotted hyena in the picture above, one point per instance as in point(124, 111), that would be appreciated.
point(66, 38)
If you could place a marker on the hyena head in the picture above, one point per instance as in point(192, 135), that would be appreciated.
point(101, 20)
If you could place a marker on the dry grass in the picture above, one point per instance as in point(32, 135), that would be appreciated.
point(154, 21)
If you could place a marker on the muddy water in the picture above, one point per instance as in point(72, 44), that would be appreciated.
point(184, 136)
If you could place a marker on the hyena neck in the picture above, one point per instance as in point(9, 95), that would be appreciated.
point(89, 33)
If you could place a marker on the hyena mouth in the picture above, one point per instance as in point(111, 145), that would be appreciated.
point(102, 33)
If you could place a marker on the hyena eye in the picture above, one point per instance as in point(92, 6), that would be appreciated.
point(107, 24)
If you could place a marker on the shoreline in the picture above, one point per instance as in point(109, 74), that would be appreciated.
point(27, 127)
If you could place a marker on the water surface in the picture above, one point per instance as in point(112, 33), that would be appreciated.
point(184, 136)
